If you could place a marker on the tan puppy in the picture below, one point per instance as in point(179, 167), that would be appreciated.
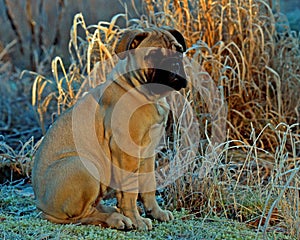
point(108, 139)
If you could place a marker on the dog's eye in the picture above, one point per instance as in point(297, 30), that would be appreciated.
point(179, 49)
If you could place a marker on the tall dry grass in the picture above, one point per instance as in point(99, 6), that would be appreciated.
point(41, 28)
point(237, 44)
point(256, 178)
point(255, 175)
point(17, 121)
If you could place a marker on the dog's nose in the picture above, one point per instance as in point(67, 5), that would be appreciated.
point(179, 83)
point(184, 84)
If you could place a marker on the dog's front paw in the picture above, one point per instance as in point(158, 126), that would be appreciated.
point(161, 215)
point(142, 224)
point(119, 221)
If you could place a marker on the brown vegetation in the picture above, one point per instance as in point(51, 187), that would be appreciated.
point(256, 68)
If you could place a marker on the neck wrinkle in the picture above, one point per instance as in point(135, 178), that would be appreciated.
point(128, 79)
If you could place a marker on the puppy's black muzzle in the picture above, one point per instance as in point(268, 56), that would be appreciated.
point(171, 73)
point(168, 73)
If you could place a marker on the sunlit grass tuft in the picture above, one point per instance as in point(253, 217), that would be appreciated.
point(254, 177)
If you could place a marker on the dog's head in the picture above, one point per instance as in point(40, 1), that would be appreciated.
point(159, 55)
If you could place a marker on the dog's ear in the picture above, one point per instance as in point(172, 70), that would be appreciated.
point(178, 36)
point(130, 40)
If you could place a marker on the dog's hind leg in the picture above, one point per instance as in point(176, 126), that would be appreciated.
point(113, 220)
point(70, 194)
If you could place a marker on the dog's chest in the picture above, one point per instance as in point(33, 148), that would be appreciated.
point(157, 129)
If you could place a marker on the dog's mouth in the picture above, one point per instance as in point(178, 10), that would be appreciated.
point(165, 71)
point(172, 69)
point(168, 75)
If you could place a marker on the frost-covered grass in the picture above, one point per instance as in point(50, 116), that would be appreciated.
point(20, 220)
point(255, 178)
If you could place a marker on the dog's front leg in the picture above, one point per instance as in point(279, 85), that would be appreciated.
point(127, 204)
point(147, 192)
point(126, 176)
